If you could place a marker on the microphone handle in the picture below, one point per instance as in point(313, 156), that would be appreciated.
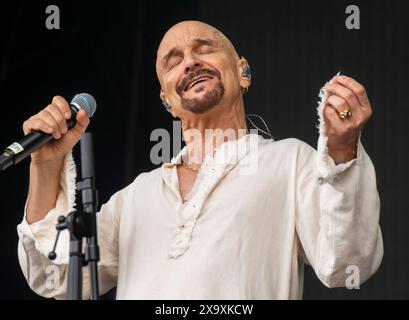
point(18, 151)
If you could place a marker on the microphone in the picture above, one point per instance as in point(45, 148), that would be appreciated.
point(21, 149)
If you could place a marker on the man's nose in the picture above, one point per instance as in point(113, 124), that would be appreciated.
point(192, 64)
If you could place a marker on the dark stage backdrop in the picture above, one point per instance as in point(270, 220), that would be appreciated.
point(108, 48)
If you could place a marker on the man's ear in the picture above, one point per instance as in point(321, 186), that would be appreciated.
point(245, 74)
point(162, 95)
point(165, 104)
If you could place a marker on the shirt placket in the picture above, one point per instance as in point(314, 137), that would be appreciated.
point(211, 172)
point(189, 212)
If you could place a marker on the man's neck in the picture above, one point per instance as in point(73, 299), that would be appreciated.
point(205, 133)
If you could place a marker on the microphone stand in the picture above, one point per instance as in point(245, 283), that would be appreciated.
point(81, 224)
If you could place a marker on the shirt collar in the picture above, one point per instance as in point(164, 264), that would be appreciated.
point(228, 152)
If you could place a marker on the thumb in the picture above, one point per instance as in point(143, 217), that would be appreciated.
point(82, 122)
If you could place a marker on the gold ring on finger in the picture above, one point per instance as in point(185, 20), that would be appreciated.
point(345, 114)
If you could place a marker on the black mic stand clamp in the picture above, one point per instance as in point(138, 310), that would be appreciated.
point(82, 224)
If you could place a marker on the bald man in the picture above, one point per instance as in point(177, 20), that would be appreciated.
point(201, 226)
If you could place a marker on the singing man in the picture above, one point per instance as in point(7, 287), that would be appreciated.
point(201, 227)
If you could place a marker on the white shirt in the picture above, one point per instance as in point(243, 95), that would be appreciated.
point(242, 233)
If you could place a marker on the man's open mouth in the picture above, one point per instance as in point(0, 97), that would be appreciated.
point(196, 81)
point(195, 78)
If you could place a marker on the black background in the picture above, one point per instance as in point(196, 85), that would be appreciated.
point(108, 48)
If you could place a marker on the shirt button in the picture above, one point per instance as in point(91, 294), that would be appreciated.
point(182, 226)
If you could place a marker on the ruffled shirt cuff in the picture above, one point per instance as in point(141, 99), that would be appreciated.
point(327, 168)
point(43, 232)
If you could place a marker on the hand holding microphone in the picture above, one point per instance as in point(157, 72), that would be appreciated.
point(53, 132)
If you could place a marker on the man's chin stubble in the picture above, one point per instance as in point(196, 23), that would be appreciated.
point(207, 102)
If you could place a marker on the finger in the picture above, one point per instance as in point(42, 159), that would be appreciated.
point(343, 92)
point(63, 105)
point(356, 87)
point(340, 104)
point(36, 124)
point(82, 122)
point(332, 120)
point(58, 115)
point(46, 116)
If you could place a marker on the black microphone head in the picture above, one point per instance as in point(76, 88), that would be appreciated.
point(85, 101)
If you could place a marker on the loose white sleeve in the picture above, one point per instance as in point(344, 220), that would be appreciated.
point(49, 278)
point(337, 217)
